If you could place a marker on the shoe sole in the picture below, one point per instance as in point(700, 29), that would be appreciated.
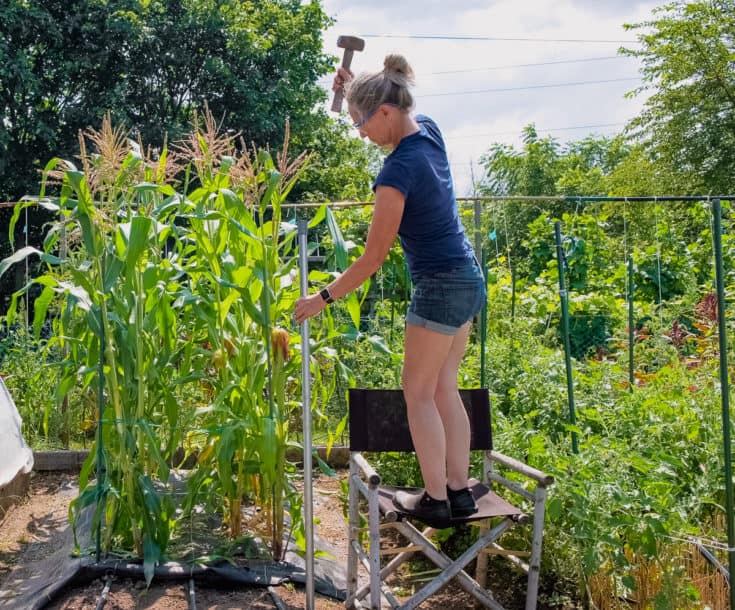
point(463, 514)
point(436, 524)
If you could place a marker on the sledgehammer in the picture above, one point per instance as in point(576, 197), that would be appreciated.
point(350, 44)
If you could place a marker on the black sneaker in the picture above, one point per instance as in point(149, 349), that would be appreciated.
point(435, 513)
point(462, 503)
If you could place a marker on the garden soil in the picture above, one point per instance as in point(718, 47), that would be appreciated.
point(38, 527)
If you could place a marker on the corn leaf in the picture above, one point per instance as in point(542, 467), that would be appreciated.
point(40, 307)
point(320, 215)
point(138, 231)
point(88, 232)
point(154, 449)
point(24, 253)
point(274, 179)
point(113, 267)
point(151, 557)
point(323, 466)
point(146, 187)
point(268, 446)
point(353, 308)
point(340, 248)
point(17, 209)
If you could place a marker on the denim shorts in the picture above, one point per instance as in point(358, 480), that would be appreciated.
point(444, 301)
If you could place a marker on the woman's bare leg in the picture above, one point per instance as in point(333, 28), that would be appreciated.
point(425, 355)
point(453, 414)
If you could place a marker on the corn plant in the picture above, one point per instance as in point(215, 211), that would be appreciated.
point(243, 290)
point(116, 326)
point(175, 305)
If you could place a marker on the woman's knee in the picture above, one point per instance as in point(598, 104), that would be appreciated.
point(416, 390)
point(446, 388)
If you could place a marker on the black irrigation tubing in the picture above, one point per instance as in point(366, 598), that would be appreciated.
point(192, 595)
point(276, 599)
point(103, 596)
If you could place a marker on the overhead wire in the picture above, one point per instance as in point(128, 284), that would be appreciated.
point(550, 62)
point(557, 62)
point(515, 132)
point(497, 38)
point(528, 87)
point(534, 64)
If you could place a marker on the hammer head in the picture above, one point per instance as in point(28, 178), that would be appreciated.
point(351, 42)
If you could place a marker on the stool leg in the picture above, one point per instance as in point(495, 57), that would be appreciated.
point(482, 560)
point(534, 563)
point(374, 530)
point(353, 521)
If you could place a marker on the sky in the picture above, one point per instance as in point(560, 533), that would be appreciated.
point(457, 80)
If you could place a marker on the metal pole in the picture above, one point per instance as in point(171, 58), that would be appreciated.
point(724, 390)
point(28, 273)
point(631, 332)
point(478, 230)
point(306, 389)
point(392, 301)
point(512, 356)
point(565, 331)
point(480, 254)
point(483, 322)
point(100, 410)
point(512, 294)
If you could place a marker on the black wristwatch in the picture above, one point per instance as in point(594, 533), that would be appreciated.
point(326, 296)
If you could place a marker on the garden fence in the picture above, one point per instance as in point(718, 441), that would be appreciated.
point(595, 305)
point(628, 296)
point(642, 282)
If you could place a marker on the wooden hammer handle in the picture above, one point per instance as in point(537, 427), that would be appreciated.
point(339, 95)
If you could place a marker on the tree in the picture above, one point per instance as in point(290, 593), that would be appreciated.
point(544, 167)
point(530, 172)
point(152, 64)
point(342, 169)
point(688, 123)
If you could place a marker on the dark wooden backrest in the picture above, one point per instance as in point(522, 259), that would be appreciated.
point(378, 420)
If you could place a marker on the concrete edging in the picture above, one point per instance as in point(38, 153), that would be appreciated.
point(13, 492)
point(72, 460)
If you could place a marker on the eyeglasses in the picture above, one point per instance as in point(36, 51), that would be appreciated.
point(362, 122)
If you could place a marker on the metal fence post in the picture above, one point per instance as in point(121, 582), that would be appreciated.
point(565, 331)
point(100, 467)
point(631, 331)
point(725, 391)
point(483, 324)
point(306, 414)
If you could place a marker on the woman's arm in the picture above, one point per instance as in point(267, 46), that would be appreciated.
point(387, 214)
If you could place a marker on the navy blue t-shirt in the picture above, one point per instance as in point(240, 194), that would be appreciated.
point(430, 232)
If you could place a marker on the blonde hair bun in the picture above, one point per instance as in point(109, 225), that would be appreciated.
point(397, 69)
point(367, 91)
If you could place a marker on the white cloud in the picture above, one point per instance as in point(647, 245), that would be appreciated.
point(466, 117)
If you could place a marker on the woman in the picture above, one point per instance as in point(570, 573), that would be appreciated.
point(414, 199)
